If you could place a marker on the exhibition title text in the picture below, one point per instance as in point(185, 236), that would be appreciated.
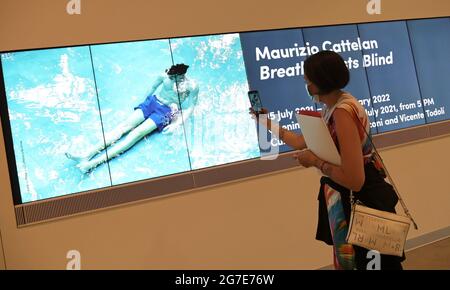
point(369, 59)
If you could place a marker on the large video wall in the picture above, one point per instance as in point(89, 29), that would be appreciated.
point(90, 117)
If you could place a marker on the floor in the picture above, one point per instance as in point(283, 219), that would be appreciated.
point(435, 256)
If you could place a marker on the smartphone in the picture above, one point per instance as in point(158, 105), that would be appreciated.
point(255, 101)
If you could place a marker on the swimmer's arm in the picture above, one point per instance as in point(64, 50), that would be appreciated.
point(187, 107)
point(159, 80)
point(189, 104)
point(182, 116)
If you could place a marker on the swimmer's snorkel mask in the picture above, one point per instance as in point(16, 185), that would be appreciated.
point(177, 70)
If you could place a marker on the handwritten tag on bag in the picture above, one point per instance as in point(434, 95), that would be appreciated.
point(378, 230)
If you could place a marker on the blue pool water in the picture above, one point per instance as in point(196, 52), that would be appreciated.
point(54, 100)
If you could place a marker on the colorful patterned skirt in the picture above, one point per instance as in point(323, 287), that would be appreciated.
point(334, 216)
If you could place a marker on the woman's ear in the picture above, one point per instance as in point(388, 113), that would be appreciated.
point(314, 89)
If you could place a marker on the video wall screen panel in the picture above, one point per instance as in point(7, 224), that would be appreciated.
point(52, 104)
point(430, 42)
point(217, 125)
point(391, 72)
point(275, 68)
point(126, 74)
point(91, 117)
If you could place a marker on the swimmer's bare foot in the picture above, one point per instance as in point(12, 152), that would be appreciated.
point(76, 158)
point(84, 166)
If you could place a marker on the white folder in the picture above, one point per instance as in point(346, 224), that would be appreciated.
point(317, 137)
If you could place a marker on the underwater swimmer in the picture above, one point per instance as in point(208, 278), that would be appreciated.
point(160, 113)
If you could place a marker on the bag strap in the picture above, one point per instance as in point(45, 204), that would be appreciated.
point(391, 181)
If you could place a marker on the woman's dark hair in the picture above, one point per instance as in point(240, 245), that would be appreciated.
point(327, 70)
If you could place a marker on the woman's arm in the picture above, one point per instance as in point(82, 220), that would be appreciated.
point(290, 138)
point(350, 173)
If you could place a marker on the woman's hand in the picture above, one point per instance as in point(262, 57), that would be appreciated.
point(253, 113)
point(306, 158)
point(264, 112)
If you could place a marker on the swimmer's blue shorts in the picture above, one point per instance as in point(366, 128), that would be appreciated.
point(160, 113)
